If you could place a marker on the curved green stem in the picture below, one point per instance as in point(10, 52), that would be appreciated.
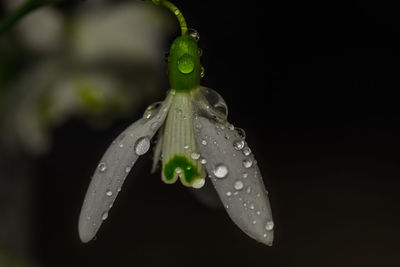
point(21, 11)
point(176, 11)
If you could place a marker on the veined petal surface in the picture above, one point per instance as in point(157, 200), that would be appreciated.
point(180, 155)
point(236, 177)
point(115, 165)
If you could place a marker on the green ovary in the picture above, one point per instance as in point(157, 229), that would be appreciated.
point(190, 171)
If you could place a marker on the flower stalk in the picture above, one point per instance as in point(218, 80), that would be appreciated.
point(176, 11)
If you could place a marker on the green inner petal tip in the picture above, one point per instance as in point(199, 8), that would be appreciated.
point(191, 172)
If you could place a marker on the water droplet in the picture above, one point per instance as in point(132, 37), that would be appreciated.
point(246, 151)
point(128, 169)
point(204, 142)
point(252, 207)
point(269, 225)
point(199, 183)
point(150, 110)
point(202, 72)
point(121, 145)
point(228, 193)
point(265, 235)
point(226, 206)
point(248, 190)
point(220, 171)
point(200, 51)
point(244, 175)
point(254, 222)
point(119, 189)
point(185, 146)
point(231, 127)
point(238, 185)
point(203, 161)
point(241, 133)
point(104, 216)
point(247, 163)
point(199, 126)
point(177, 12)
point(178, 170)
point(142, 145)
point(186, 64)
point(238, 145)
point(109, 193)
point(102, 167)
point(258, 212)
point(195, 155)
point(194, 34)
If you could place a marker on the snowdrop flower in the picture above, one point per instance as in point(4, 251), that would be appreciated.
point(195, 140)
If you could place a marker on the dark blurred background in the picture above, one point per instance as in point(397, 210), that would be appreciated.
point(314, 84)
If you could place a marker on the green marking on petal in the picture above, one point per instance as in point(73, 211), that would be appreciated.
point(191, 173)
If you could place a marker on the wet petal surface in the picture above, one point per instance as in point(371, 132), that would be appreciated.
point(236, 177)
point(115, 165)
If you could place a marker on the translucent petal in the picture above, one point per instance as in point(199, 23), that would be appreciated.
point(236, 177)
point(210, 104)
point(114, 166)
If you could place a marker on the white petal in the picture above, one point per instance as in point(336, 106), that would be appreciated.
point(181, 157)
point(115, 166)
point(236, 178)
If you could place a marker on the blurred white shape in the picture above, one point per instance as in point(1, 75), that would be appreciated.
point(110, 63)
point(42, 30)
point(127, 31)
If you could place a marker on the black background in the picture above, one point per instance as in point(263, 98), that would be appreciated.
point(314, 84)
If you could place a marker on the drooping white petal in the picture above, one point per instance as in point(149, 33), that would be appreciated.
point(115, 166)
point(180, 155)
point(236, 177)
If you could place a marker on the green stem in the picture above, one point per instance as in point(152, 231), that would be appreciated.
point(176, 11)
point(21, 11)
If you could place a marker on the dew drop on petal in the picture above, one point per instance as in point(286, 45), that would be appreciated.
point(252, 207)
point(246, 151)
point(195, 155)
point(149, 112)
point(228, 193)
point(254, 222)
point(244, 175)
point(220, 171)
point(128, 169)
point(248, 190)
point(204, 142)
point(247, 163)
point(269, 225)
point(238, 145)
point(203, 161)
point(238, 185)
point(102, 167)
point(186, 147)
point(109, 193)
point(142, 145)
point(258, 212)
point(241, 132)
point(104, 216)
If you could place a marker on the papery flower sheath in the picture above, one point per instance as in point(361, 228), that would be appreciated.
point(195, 141)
